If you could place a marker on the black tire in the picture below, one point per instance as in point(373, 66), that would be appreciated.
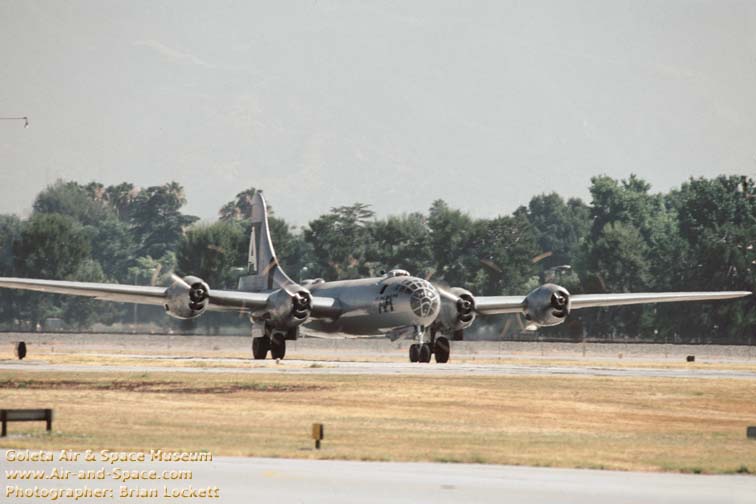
point(21, 350)
point(414, 352)
point(425, 353)
point(458, 335)
point(442, 350)
point(277, 347)
point(260, 348)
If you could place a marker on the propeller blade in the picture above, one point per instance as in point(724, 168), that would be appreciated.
point(445, 293)
point(541, 257)
point(180, 280)
point(155, 274)
point(491, 265)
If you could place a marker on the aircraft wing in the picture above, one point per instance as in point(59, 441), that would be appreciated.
point(219, 300)
point(492, 305)
point(252, 301)
point(592, 300)
point(107, 292)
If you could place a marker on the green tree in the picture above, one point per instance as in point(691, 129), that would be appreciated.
point(499, 255)
point(49, 246)
point(73, 200)
point(211, 252)
point(450, 234)
point(146, 270)
point(616, 257)
point(111, 240)
point(717, 237)
point(627, 201)
point(10, 230)
point(560, 227)
point(121, 198)
point(240, 208)
point(157, 220)
point(339, 242)
point(113, 246)
point(401, 242)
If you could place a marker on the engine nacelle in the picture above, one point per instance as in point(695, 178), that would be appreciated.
point(456, 314)
point(286, 310)
point(548, 305)
point(187, 298)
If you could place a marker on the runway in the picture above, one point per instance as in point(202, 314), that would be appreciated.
point(348, 482)
point(242, 480)
point(329, 367)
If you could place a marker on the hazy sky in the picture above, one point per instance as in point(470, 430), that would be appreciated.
point(322, 103)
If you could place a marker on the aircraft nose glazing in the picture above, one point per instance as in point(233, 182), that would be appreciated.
point(424, 298)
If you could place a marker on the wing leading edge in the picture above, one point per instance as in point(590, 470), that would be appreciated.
point(219, 300)
point(493, 305)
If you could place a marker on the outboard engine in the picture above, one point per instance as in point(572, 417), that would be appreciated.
point(187, 298)
point(548, 305)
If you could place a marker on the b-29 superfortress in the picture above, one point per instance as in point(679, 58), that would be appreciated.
point(394, 302)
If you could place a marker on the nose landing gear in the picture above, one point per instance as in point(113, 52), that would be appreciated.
point(421, 352)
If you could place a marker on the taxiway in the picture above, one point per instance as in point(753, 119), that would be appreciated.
point(326, 367)
point(242, 480)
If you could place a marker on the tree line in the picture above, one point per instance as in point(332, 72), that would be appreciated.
point(700, 236)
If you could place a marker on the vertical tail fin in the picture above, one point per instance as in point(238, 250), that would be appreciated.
point(263, 271)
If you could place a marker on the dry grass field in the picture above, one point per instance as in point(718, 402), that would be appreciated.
point(692, 425)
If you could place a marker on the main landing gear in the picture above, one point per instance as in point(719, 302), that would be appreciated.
point(421, 352)
point(276, 345)
point(273, 342)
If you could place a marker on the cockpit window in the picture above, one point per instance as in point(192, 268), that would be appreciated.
point(402, 289)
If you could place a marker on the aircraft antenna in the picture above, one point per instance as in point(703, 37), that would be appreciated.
point(22, 118)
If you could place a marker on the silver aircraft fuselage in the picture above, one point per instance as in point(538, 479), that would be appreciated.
point(377, 304)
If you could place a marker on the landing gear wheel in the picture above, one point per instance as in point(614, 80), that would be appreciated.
point(260, 347)
point(414, 352)
point(277, 347)
point(425, 353)
point(442, 350)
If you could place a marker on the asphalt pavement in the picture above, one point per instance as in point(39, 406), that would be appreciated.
point(244, 480)
point(327, 367)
